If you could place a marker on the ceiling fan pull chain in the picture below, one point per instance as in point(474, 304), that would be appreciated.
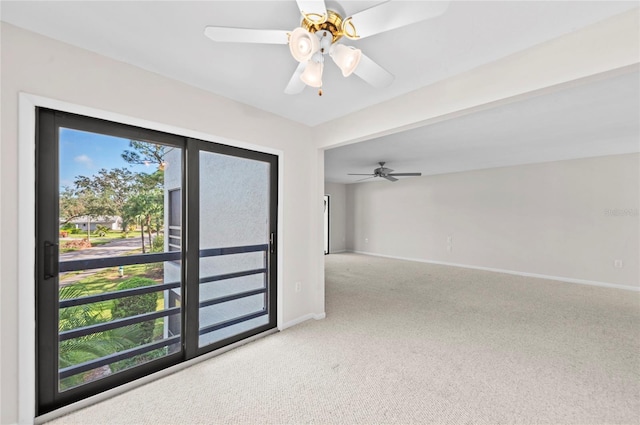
point(320, 91)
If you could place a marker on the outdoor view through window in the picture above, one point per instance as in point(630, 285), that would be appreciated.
point(117, 306)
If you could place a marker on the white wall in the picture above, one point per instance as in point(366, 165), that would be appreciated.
point(337, 216)
point(50, 69)
point(568, 219)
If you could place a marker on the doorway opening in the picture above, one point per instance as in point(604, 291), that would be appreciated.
point(326, 223)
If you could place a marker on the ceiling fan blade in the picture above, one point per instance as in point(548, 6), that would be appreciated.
point(391, 179)
point(366, 178)
point(405, 174)
point(373, 73)
point(296, 85)
point(244, 35)
point(361, 174)
point(315, 8)
point(391, 15)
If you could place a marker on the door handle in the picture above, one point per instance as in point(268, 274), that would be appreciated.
point(272, 243)
point(50, 260)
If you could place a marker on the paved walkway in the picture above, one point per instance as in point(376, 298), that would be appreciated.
point(115, 248)
point(112, 249)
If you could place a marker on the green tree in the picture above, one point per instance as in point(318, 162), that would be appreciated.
point(146, 205)
point(101, 230)
point(145, 153)
point(134, 212)
point(80, 202)
point(143, 207)
point(72, 205)
point(135, 305)
point(89, 347)
point(153, 185)
point(107, 191)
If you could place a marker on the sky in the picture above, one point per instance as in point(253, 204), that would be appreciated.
point(84, 154)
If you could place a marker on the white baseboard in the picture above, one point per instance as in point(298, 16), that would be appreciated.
point(513, 272)
point(290, 323)
point(338, 252)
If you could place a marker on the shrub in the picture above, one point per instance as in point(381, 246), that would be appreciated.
point(81, 349)
point(158, 243)
point(101, 230)
point(136, 304)
point(76, 244)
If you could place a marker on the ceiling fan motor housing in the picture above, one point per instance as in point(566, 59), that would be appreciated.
point(382, 172)
point(333, 24)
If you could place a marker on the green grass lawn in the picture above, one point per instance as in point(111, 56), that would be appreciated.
point(94, 238)
point(107, 280)
point(111, 235)
point(97, 240)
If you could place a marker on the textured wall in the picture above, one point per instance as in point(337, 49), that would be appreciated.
point(234, 211)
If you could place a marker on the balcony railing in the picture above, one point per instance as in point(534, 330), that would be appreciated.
point(97, 263)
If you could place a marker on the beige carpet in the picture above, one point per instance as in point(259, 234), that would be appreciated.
point(407, 342)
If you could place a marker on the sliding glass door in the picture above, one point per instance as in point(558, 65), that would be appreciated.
point(151, 249)
point(235, 234)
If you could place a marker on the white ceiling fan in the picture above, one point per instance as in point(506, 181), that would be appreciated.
point(322, 28)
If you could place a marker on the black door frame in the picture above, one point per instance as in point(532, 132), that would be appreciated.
point(48, 397)
point(192, 295)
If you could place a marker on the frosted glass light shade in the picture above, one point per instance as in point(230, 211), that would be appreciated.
point(346, 57)
point(312, 75)
point(303, 44)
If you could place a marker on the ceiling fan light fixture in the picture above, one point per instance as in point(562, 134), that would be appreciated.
point(312, 75)
point(303, 44)
point(346, 57)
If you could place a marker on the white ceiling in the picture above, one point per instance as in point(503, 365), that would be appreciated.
point(166, 37)
point(595, 119)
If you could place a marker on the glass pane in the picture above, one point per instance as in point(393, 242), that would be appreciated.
point(234, 212)
point(118, 199)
